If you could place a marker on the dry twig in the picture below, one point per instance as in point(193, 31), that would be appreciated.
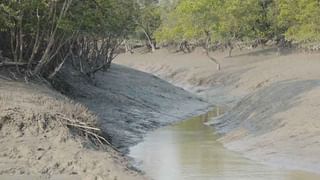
point(85, 128)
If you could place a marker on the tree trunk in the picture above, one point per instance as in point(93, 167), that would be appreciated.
point(48, 52)
point(20, 39)
point(58, 68)
point(230, 48)
point(230, 51)
point(153, 48)
point(214, 60)
point(207, 49)
point(151, 44)
point(36, 42)
point(128, 47)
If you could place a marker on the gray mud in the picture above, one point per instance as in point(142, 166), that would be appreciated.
point(129, 103)
point(254, 112)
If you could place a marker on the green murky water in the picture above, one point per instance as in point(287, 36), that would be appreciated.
point(190, 151)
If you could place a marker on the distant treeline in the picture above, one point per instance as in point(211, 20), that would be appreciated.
point(38, 36)
point(228, 23)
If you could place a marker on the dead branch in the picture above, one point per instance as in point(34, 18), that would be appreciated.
point(5, 78)
point(58, 68)
point(70, 120)
point(7, 64)
point(13, 75)
point(83, 127)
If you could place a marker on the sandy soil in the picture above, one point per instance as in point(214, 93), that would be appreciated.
point(35, 144)
point(273, 101)
point(124, 103)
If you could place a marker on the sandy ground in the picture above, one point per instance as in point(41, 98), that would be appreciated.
point(35, 145)
point(124, 103)
point(272, 101)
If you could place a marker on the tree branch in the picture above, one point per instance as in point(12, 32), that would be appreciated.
point(6, 64)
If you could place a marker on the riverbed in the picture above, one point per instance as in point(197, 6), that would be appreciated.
point(274, 100)
point(190, 150)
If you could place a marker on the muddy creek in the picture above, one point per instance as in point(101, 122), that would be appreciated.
point(189, 150)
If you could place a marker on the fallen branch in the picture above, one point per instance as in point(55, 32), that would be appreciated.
point(77, 123)
point(5, 78)
point(99, 138)
point(83, 127)
point(4, 64)
point(70, 120)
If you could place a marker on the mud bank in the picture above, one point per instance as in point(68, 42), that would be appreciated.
point(123, 103)
point(273, 101)
point(129, 103)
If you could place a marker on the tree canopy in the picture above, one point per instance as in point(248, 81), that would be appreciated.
point(40, 35)
point(148, 21)
point(227, 21)
point(301, 18)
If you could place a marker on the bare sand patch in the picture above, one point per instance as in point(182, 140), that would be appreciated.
point(35, 145)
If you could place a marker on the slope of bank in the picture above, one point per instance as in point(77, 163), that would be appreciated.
point(129, 103)
point(36, 144)
point(273, 101)
point(37, 141)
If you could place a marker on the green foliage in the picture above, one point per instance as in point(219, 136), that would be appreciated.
point(237, 19)
point(301, 18)
point(241, 20)
point(149, 19)
point(41, 33)
point(188, 21)
point(223, 20)
point(5, 21)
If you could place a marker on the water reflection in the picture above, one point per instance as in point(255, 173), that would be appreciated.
point(190, 151)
